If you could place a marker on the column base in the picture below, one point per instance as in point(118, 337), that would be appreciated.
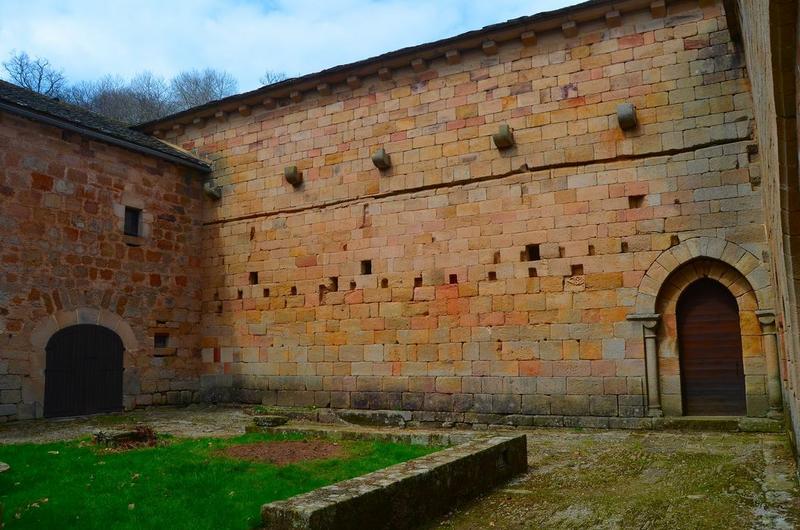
point(775, 414)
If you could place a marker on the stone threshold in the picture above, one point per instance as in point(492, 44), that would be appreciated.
point(718, 423)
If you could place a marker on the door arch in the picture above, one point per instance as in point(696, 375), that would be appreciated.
point(710, 350)
point(83, 371)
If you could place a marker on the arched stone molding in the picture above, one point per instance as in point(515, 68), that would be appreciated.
point(49, 325)
point(736, 256)
point(748, 280)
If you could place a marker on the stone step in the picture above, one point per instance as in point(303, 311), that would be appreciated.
point(718, 423)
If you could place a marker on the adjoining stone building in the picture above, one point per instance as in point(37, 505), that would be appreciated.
point(564, 218)
point(68, 179)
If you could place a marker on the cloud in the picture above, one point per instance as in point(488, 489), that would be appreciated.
point(92, 38)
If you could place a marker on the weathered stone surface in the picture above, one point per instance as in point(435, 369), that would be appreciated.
point(269, 420)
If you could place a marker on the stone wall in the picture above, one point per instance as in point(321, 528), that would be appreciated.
point(466, 279)
point(770, 42)
point(65, 261)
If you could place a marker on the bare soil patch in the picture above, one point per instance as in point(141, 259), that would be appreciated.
point(283, 453)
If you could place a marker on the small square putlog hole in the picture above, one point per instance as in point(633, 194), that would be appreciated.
point(266, 292)
point(418, 281)
point(253, 277)
point(635, 201)
point(531, 272)
point(492, 276)
point(160, 340)
point(453, 278)
point(577, 270)
point(239, 294)
point(293, 290)
point(532, 253)
point(366, 266)
point(384, 283)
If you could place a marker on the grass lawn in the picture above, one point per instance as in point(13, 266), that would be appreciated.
point(184, 484)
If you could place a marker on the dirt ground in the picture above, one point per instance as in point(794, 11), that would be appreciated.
point(577, 479)
point(283, 453)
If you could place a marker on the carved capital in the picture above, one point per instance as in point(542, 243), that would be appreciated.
point(648, 320)
point(766, 317)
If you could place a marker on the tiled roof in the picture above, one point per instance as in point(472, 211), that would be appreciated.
point(36, 106)
point(549, 20)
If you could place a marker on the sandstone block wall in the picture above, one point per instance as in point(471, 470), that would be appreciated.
point(65, 261)
point(770, 41)
point(467, 280)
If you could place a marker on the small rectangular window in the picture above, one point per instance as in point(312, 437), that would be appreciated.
point(253, 277)
point(133, 220)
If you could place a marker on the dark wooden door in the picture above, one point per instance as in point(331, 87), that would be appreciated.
point(710, 343)
point(83, 374)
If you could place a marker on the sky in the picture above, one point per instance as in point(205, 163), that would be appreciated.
point(92, 38)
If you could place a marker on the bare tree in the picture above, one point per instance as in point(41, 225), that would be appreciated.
point(35, 74)
point(153, 96)
point(197, 87)
point(271, 76)
point(146, 97)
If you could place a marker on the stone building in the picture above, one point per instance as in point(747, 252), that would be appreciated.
point(562, 219)
point(69, 181)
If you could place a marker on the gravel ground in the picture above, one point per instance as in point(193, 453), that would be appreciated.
point(576, 479)
point(643, 480)
point(194, 421)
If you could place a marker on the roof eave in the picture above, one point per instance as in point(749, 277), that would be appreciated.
point(96, 135)
point(503, 31)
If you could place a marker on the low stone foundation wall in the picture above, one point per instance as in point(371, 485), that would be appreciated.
point(478, 422)
point(407, 494)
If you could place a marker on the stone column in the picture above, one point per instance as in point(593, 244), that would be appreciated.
point(649, 326)
point(769, 336)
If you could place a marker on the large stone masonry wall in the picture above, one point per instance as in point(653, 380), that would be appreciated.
point(770, 41)
point(65, 261)
point(457, 315)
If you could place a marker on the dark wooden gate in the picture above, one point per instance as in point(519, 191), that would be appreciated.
point(83, 374)
point(710, 343)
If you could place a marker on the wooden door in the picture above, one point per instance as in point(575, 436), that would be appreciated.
point(710, 343)
point(83, 374)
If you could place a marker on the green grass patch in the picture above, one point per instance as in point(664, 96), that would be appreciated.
point(182, 484)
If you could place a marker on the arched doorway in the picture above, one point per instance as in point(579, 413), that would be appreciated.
point(710, 349)
point(83, 371)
